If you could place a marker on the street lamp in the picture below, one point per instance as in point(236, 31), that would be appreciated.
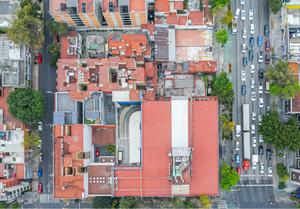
point(50, 92)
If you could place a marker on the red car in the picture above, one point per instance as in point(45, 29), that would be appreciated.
point(267, 59)
point(56, 37)
point(40, 188)
point(39, 58)
point(267, 45)
point(97, 152)
point(238, 169)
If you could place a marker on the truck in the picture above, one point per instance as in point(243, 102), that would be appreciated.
point(246, 150)
point(246, 117)
point(234, 26)
point(120, 157)
point(254, 161)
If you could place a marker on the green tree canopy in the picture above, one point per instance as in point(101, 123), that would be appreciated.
point(54, 60)
point(281, 185)
point(220, 15)
point(128, 202)
point(228, 177)
point(281, 80)
point(221, 36)
point(31, 140)
point(110, 148)
point(53, 48)
point(26, 105)
point(205, 201)
point(55, 27)
point(3, 205)
point(275, 5)
point(282, 172)
point(15, 205)
point(227, 126)
point(102, 202)
point(24, 26)
point(222, 88)
point(278, 134)
point(215, 4)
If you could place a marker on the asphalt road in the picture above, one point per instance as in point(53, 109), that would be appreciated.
point(47, 82)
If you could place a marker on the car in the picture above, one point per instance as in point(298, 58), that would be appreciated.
point(251, 41)
point(97, 152)
point(261, 73)
point(262, 168)
point(40, 188)
point(260, 56)
point(268, 109)
point(41, 157)
point(237, 145)
point(266, 30)
point(243, 89)
point(243, 75)
point(254, 166)
point(267, 59)
point(242, 2)
point(250, 54)
point(260, 138)
point(293, 30)
point(40, 44)
point(261, 150)
point(244, 33)
point(253, 116)
point(261, 102)
point(254, 141)
point(252, 83)
point(243, 14)
point(269, 154)
point(245, 61)
point(259, 41)
point(253, 96)
point(252, 29)
point(56, 37)
point(40, 146)
point(237, 13)
point(250, 15)
point(295, 35)
point(270, 172)
point(238, 170)
point(237, 158)
point(40, 172)
point(260, 88)
point(40, 126)
point(244, 48)
point(259, 120)
point(252, 129)
point(267, 45)
point(39, 59)
point(252, 69)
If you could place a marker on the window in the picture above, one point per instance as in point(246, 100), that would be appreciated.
point(18, 190)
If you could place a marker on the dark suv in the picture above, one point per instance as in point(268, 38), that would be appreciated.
point(261, 73)
point(245, 61)
point(250, 54)
point(266, 30)
point(261, 150)
point(251, 41)
point(269, 154)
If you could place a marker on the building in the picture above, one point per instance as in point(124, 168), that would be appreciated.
point(107, 14)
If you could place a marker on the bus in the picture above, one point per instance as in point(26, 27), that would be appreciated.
point(246, 117)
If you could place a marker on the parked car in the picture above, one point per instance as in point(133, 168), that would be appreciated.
point(56, 37)
point(250, 54)
point(243, 75)
point(238, 170)
point(252, 129)
point(259, 41)
point(260, 138)
point(268, 109)
point(243, 14)
point(266, 30)
point(261, 102)
point(270, 173)
point(260, 88)
point(40, 146)
point(41, 157)
point(267, 59)
point(252, 69)
point(40, 188)
point(244, 33)
point(253, 116)
point(237, 145)
point(295, 35)
point(261, 150)
point(39, 59)
point(244, 48)
point(253, 96)
point(269, 154)
point(40, 173)
point(245, 61)
point(252, 83)
point(260, 57)
point(262, 168)
point(242, 2)
point(251, 41)
point(252, 30)
point(267, 45)
point(243, 89)
point(261, 73)
point(40, 126)
point(250, 15)
point(254, 141)
point(237, 158)
point(97, 152)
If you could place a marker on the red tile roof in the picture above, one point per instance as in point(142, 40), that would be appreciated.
point(197, 18)
point(178, 5)
point(294, 67)
point(64, 45)
point(150, 28)
point(182, 19)
point(202, 66)
point(172, 19)
point(162, 5)
point(20, 171)
point(136, 6)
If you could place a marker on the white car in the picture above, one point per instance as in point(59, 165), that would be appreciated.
point(252, 29)
point(252, 69)
point(253, 96)
point(260, 88)
point(242, 2)
point(252, 83)
point(270, 172)
point(252, 129)
point(262, 168)
point(259, 119)
point(243, 15)
point(261, 138)
point(237, 145)
point(253, 116)
point(254, 166)
point(40, 124)
point(261, 102)
point(243, 74)
point(254, 141)
point(250, 15)
point(244, 33)
point(244, 47)
point(41, 157)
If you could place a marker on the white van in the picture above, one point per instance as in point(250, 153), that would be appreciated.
point(238, 130)
point(252, 29)
point(267, 87)
point(237, 13)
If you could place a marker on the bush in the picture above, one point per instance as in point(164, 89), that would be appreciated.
point(110, 148)
point(282, 172)
point(128, 202)
point(281, 185)
point(115, 203)
point(189, 205)
point(53, 61)
point(102, 202)
point(15, 205)
point(293, 198)
point(3, 205)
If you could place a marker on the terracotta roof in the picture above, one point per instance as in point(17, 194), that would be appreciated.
point(196, 17)
point(147, 95)
point(1, 169)
point(150, 28)
point(202, 66)
point(64, 45)
point(56, 7)
point(106, 6)
point(136, 6)
point(178, 5)
point(89, 6)
point(296, 104)
point(99, 185)
point(294, 67)
point(103, 135)
point(162, 5)
point(172, 19)
point(20, 170)
point(182, 19)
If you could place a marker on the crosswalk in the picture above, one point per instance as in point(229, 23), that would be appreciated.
point(48, 198)
point(222, 204)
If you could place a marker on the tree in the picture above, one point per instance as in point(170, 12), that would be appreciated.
point(55, 27)
point(229, 17)
point(3, 205)
point(228, 177)
point(227, 126)
point(205, 201)
point(215, 4)
point(31, 140)
point(24, 26)
point(26, 105)
point(278, 134)
point(188, 204)
point(128, 202)
point(30, 157)
point(15, 205)
point(281, 185)
point(221, 36)
point(110, 148)
point(275, 5)
point(53, 48)
point(281, 80)
point(222, 88)
point(282, 172)
point(102, 202)
point(53, 61)
point(220, 15)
